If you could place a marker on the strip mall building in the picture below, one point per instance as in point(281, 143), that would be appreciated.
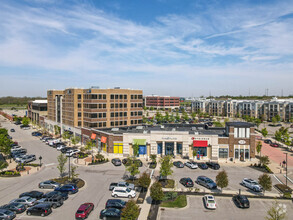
point(236, 141)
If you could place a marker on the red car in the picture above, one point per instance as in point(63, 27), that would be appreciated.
point(274, 145)
point(84, 210)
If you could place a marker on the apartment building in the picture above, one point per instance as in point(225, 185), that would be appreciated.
point(164, 102)
point(95, 108)
point(252, 108)
point(36, 109)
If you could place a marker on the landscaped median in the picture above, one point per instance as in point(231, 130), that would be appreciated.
point(174, 200)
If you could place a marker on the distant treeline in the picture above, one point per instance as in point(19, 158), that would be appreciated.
point(249, 97)
point(10, 100)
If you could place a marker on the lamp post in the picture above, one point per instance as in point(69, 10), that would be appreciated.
point(69, 166)
point(286, 167)
point(40, 158)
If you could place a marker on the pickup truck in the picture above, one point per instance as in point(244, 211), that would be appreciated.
point(121, 184)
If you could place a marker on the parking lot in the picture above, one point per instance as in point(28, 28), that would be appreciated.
point(235, 175)
point(226, 209)
point(97, 178)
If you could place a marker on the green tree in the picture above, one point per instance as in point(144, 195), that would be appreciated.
point(177, 117)
point(25, 121)
point(266, 182)
point(257, 121)
point(144, 180)
point(264, 132)
point(74, 175)
point(264, 160)
point(66, 135)
point(152, 108)
point(62, 160)
point(274, 120)
point(222, 179)
point(130, 211)
point(166, 166)
point(132, 166)
point(57, 129)
point(156, 192)
point(75, 140)
point(3, 165)
point(258, 147)
point(89, 147)
point(193, 115)
point(135, 148)
point(276, 212)
point(153, 158)
point(278, 118)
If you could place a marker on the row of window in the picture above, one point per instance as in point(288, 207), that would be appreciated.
point(94, 115)
point(136, 113)
point(94, 106)
point(118, 114)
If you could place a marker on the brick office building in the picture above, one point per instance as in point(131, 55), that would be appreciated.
point(164, 102)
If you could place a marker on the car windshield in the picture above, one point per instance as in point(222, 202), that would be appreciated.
point(30, 199)
point(6, 212)
point(209, 181)
point(254, 183)
point(128, 190)
point(80, 212)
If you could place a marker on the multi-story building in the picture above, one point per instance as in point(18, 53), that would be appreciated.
point(74, 108)
point(164, 102)
point(265, 110)
point(36, 109)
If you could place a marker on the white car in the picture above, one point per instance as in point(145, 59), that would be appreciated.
point(123, 192)
point(15, 148)
point(26, 128)
point(251, 184)
point(60, 147)
point(191, 165)
point(210, 202)
point(71, 152)
point(55, 141)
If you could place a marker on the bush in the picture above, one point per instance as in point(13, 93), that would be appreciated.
point(179, 202)
point(268, 169)
point(168, 183)
point(9, 173)
point(283, 188)
point(65, 180)
point(32, 164)
point(170, 196)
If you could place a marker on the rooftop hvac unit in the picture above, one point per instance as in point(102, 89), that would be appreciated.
point(173, 129)
point(162, 126)
point(95, 87)
point(116, 87)
point(115, 129)
point(194, 128)
point(196, 132)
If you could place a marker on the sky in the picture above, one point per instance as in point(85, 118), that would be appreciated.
point(187, 48)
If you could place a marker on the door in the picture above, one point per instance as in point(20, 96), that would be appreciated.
point(159, 148)
point(241, 154)
point(169, 148)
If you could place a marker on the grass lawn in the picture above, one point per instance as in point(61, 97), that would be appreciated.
point(179, 202)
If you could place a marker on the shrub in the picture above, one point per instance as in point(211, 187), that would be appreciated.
point(170, 196)
point(283, 188)
point(268, 169)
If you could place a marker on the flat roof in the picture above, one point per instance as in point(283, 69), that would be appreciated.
point(239, 124)
point(40, 101)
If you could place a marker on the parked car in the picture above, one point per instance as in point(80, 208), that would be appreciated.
point(206, 182)
point(54, 201)
point(19, 151)
point(213, 165)
point(15, 147)
point(115, 203)
point(70, 188)
point(64, 195)
point(17, 157)
point(251, 184)
point(72, 152)
point(110, 213)
point(187, 182)
point(49, 184)
point(268, 141)
point(12, 130)
point(14, 207)
point(53, 142)
point(210, 202)
point(26, 200)
point(7, 214)
point(60, 147)
point(123, 192)
point(28, 158)
point(40, 209)
point(241, 201)
point(116, 162)
point(33, 194)
point(191, 165)
point(36, 134)
point(121, 184)
point(84, 210)
point(178, 164)
point(202, 166)
point(65, 149)
point(275, 145)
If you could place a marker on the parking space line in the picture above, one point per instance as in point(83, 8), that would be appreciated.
point(277, 179)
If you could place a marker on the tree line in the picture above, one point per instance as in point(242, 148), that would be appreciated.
point(8, 100)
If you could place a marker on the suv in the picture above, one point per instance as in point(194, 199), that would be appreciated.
point(49, 184)
point(213, 165)
point(70, 188)
point(187, 182)
point(206, 182)
point(33, 194)
point(123, 192)
point(26, 200)
point(115, 203)
point(116, 162)
point(28, 158)
point(178, 164)
point(121, 184)
point(54, 201)
point(84, 210)
point(251, 184)
point(6, 214)
point(39, 209)
point(191, 165)
point(64, 195)
point(268, 141)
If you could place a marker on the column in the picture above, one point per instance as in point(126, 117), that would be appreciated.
point(163, 148)
point(175, 148)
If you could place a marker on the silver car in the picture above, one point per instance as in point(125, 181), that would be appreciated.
point(7, 214)
point(49, 184)
point(26, 200)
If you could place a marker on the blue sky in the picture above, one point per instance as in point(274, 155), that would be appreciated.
point(165, 47)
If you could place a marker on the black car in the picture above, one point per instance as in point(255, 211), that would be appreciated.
point(54, 193)
point(213, 165)
point(116, 162)
point(12, 130)
point(187, 182)
point(110, 213)
point(115, 203)
point(33, 194)
point(40, 209)
point(54, 201)
point(241, 201)
point(14, 207)
point(65, 149)
point(202, 166)
point(178, 164)
point(268, 141)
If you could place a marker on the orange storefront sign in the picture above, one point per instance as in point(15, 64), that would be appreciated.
point(103, 139)
point(93, 136)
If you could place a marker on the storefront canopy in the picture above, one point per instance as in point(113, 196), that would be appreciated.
point(200, 143)
point(139, 141)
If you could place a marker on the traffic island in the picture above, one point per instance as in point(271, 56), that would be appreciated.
point(65, 180)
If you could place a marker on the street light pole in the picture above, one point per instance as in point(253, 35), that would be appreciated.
point(40, 158)
point(69, 167)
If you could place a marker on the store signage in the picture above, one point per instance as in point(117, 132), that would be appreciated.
point(242, 142)
point(169, 138)
point(103, 139)
point(93, 136)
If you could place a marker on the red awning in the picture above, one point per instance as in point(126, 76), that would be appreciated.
point(200, 143)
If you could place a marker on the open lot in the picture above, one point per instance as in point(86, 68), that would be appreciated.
point(235, 174)
point(226, 209)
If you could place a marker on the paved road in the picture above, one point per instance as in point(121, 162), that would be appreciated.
point(226, 209)
point(98, 178)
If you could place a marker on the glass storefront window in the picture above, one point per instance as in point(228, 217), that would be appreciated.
point(223, 152)
point(169, 148)
point(247, 154)
point(179, 148)
point(202, 151)
point(236, 154)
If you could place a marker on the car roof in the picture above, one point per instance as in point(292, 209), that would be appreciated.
point(42, 205)
point(25, 197)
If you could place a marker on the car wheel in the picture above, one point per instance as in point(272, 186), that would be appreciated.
point(254, 189)
point(43, 215)
point(29, 213)
point(115, 196)
point(42, 187)
point(54, 206)
point(129, 196)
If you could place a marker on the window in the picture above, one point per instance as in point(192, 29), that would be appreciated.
point(94, 115)
point(112, 114)
point(79, 96)
point(79, 124)
point(116, 96)
point(246, 153)
point(112, 96)
point(223, 152)
point(104, 106)
point(104, 96)
point(78, 105)
point(125, 96)
point(79, 114)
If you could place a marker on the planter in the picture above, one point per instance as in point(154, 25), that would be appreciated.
point(98, 162)
point(79, 182)
point(9, 174)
